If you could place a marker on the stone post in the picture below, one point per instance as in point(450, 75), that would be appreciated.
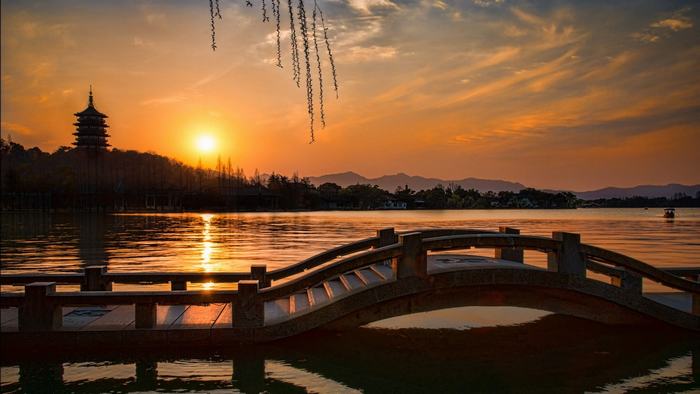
point(146, 315)
point(39, 312)
point(259, 272)
point(94, 279)
point(413, 262)
point(387, 237)
point(567, 259)
point(511, 253)
point(628, 280)
point(178, 285)
point(248, 309)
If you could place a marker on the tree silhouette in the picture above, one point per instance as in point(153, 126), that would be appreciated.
point(301, 25)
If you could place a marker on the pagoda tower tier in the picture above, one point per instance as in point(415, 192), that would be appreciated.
point(91, 128)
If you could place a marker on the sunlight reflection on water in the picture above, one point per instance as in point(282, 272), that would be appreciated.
point(234, 241)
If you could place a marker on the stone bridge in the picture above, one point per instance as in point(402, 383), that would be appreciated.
point(389, 275)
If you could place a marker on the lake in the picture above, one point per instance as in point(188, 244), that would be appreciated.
point(486, 349)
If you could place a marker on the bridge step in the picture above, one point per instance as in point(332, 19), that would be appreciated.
point(277, 310)
point(370, 277)
point(337, 288)
point(320, 295)
point(353, 281)
point(325, 292)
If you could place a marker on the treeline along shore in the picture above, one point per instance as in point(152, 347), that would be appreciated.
point(117, 180)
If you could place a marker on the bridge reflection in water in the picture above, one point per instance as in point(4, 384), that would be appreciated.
point(532, 357)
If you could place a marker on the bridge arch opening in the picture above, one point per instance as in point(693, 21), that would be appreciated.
point(462, 318)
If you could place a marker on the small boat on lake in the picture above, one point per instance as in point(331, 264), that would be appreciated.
point(669, 213)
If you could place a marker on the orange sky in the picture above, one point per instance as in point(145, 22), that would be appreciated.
point(570, 95)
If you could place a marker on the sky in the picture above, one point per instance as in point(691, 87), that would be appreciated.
point(572, 95)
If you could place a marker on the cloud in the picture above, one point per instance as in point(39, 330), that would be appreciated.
point(646, 37)
point(15, 128)
point(675, 24)
point(661, 28)
point(176, 98)
point(367, 54)
point(487, 3)
point(141, 42)
point(366, 6)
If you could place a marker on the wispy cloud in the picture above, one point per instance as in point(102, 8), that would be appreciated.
point(660, 29)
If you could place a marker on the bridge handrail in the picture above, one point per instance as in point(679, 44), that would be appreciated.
point(127, 277)
point(666, 278)
point(490, 241)
point(22, 279)
point(357, 246)
point(445, 232)
point(323, 257)
point(94, 298)
point(199, 277)
point(309, 279)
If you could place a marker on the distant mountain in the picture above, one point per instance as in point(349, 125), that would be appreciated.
point(651, 191)
point(391, 182)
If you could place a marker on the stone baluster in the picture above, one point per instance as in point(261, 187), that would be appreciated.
point(95, 279)
point(39, 312)
point(510, 253)
point(259, 272)
point(567, 259)
point(248, 309)
point(413, 261)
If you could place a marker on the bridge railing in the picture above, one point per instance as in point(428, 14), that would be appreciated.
point(98, 278)
point(566, 254)
point(40, 305)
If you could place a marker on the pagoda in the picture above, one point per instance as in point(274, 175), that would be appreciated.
point(91, 133)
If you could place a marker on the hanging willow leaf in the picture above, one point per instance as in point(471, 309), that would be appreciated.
point(213, 27)
point(303, 29)
point(265, 18)
point(319, 69)
point(276, 12)
point(309, 82)
point(294, 44)
point(330, 53)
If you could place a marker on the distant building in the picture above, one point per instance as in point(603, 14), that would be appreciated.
point(91, 128)
point(91, 142)
point(392, 203)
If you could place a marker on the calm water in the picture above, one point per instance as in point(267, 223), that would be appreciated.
point(369, 359)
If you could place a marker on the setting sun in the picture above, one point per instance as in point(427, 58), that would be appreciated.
point(206, 143)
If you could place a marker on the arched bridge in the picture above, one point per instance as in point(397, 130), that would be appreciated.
point(388, 275)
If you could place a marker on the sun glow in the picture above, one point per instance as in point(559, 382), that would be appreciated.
point(206, 143)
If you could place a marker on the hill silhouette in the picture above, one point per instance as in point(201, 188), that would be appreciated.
point(391, 182)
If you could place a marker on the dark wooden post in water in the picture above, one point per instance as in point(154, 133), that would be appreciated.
point(510, 254)
point(568, 259)
point(248, 309)
point(95, 279)
point(387, 236)
point(41, 376)
point(39, 313)
point(248, 371)
point(413, 262)
point(259, 272)
point(178, 285)
point(146, 374)
point(146, 315)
